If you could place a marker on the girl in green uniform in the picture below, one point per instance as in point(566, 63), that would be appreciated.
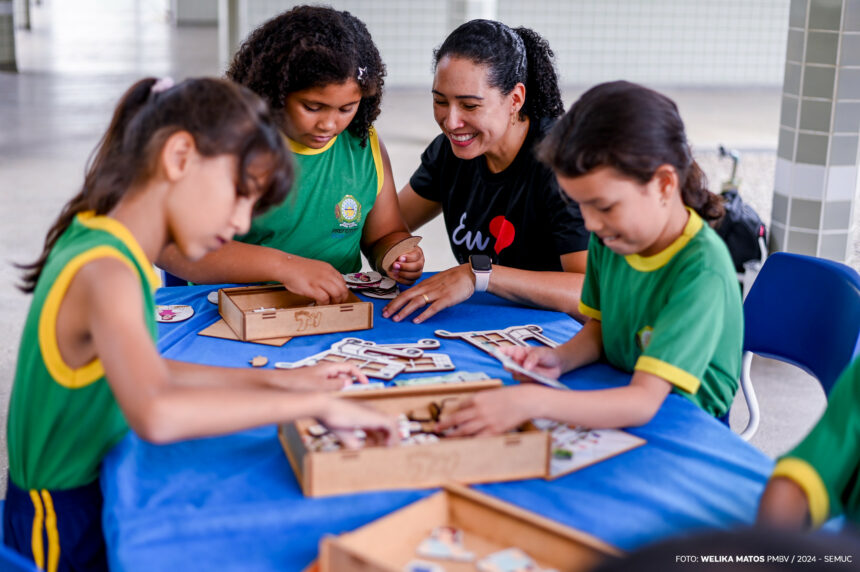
point(660, 290)
point(169, 170)
point(820, 477)
point(322, 76)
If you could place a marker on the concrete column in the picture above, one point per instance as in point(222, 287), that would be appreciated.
point(7, 36)
point(22, 14)
point(816, 182)
point(194, 12)
point(231, 20)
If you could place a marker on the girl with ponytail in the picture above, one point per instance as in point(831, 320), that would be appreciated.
point(660, 290)
point(495, 95)
point(184, 165)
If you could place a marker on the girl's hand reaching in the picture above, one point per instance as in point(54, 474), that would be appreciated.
point(343, 417)
point(491, 412)
point(408, 267)
point(544, 361)
point(315, 279)
point(321, 377)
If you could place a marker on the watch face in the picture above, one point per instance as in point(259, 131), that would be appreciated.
point(481, 263)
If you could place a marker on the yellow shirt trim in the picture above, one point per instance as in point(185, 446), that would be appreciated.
point(808, 479)
point(118, 230)
point(651, 263)
point(377, 159)
point(36, 544)
point(297, 147)
point(589, 311)
point(59, 370)
point(674, 375)
point(52, 532)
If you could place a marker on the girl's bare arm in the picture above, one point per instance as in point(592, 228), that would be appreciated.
point(160, 410)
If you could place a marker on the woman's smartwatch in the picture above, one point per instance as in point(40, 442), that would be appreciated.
point(482, 267)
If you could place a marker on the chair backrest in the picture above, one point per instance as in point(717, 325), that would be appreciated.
point(805, 311)
point(169, 279)
point(11, 561)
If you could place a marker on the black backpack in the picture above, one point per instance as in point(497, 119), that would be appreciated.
point(742, 230)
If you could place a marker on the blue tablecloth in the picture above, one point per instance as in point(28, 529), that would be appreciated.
point(233, 503)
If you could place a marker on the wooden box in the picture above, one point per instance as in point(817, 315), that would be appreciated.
point(516, 455)
point(488, 525)
point(263, 312)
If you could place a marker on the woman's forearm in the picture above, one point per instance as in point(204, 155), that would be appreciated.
point(553, 290)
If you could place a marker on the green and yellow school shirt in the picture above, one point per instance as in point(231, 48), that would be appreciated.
point(826, 464)
point(323, 216)
point(62, 421)
point(676, 314)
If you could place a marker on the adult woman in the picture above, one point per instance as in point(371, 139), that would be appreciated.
point(495, 93)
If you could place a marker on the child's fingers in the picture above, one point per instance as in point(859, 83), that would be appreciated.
point(460, 414)
point(516, 353)
point(409, 266)
point(533, 359)
point(348, 438)
point(473, 426)
point(412, 256)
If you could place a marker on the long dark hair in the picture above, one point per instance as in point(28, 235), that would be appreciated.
point(222, 117)
point(634, 130)
point(512, 56)
point(312, 46)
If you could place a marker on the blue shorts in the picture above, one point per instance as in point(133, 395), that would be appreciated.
point(58, 530)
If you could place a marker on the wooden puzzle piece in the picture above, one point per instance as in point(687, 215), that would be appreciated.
point(445, 542)
point(398, 250)
point(382, 361)
point(363, 347)
point(455, 377)
point(173, 313)
point(509, 560)
point(512, 365)
point(512, 336)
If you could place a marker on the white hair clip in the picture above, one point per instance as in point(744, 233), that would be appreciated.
point(163, 84)
point(361, 73)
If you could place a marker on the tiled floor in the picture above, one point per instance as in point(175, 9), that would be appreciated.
point(82, 54)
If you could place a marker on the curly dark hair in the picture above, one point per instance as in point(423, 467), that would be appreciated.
point(634, 130)
point(512, 56)
point(312, 46)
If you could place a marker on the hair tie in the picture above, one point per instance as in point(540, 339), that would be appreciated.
point(163, 84)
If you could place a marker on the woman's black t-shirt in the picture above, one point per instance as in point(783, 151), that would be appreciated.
point(517, 217)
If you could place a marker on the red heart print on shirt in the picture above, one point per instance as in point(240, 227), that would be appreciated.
point(504, 231)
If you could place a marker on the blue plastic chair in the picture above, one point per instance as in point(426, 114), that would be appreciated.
point(804, 311)
point(11, 561)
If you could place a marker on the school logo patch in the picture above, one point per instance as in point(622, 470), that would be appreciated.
point(348, 212)
point(643, 337)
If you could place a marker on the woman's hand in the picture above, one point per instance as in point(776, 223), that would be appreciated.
point(343, 417)
point(315, 279)
point(438, 292)
point(321, 377)
point(544, 361)
point(408, 267)
point(490, 412)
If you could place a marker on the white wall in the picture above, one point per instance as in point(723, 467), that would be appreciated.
point(661, 42)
